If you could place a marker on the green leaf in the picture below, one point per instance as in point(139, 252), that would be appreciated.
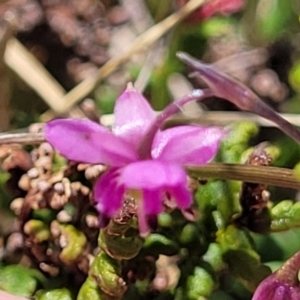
point(58, 294)
point(19, 280)
point(200, 284)
point(285, 215)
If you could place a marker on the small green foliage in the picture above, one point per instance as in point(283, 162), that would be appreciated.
point(218, 295)
point(217, 26)
point(46, 214)
point(4, 196)
point(219, 195)
point(56, 294)
point(38, 230)
point(294, 76)
point(214, 256)
point(19, 280)
point(75, 242)
point(91, 291)
point(165, 220)
point(242, 259)
point(106, 272)
point(235, 238)
point(237, 141)
point(200, 284)
point(297, 171)
point(58, 162)
point(188, 234)
point(285, 215)
point(121, 246)
point(159, 244)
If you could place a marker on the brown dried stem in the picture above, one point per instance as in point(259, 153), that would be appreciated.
point(281, 177)
point(216, 118)
point(24, 138)
point(5, 34)
point(21, 61)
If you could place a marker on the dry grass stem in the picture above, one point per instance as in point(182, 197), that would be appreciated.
point(29, 69)
point(24, 138)
point(216, 118)
point(281, 177)
point(256, 174)
point(5, 34)
point(140, 43)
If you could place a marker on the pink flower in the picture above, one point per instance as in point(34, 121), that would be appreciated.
point(283, 284)
point(143, 160)
point(213, 7)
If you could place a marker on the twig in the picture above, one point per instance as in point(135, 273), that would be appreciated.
point(141, 42)
point(221, 118)
point(217, 118)
point(5, 34)
point(24, 138)
point(281, 177)
point(21, 61)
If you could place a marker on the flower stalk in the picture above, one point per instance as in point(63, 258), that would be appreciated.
point(119, 242)
point(228, 88)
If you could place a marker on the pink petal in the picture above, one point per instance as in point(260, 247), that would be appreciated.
point(142, 221)
point(156, 178)
point(152, 201)
point(152, 175)
point(133, 116)
point(182, 196)
point(187, 144)
point(86, 141)
point(108, 193)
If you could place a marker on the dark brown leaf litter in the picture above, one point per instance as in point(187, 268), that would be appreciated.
point(54, 210)
point(65, 35)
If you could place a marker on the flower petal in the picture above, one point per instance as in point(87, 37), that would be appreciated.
point(155, 178)
point(152, 175)
point(86, 141)
point(182, 196)
point(152, 201)
point(272, 289)
point(133, 115)
point(187, 144)
point(108, 193)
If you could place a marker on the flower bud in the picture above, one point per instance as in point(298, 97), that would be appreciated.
point(283, 284)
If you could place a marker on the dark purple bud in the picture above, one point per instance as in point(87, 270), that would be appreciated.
point(226, 87)
point(283, 284)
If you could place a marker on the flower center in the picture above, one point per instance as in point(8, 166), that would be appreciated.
point(144, 149)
